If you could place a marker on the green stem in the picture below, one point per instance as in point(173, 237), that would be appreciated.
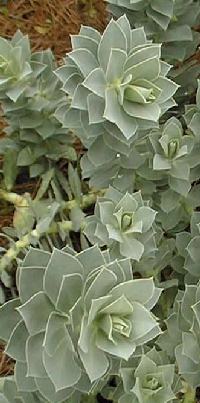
point(13, 198)
point(88, 399)
point(190, 396)
point(21, 201)
point(26, 240)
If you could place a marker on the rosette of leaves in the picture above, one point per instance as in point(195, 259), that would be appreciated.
point(182, 337)
point(124, 223)
point(16, 66)
point(30, 94)
point(149, 381)
point(115, 81)
point(75, 314)
point(170, 22)
point(172, 157)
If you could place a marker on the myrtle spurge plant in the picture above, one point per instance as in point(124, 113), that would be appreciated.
point(151, 379)
point(131, 96)
point(30, 94)
point(172, 155)
point(92, 312)
point(124, 223)
point(171, 22)
point(99, 275)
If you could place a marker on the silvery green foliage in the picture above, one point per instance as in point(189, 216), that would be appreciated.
point(30, 94)
point(170, 22)
point(181, 339)
point(192, 115)
point(188, 245)
point(116, 82)
point(160, 13)
point(124, 223)
point(172, 155)
point(148, 381)
point(11, 394)
point(75, 316)
point(104, 165)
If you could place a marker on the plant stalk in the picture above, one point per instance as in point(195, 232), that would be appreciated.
point(190, 396)
point(27, 239)
point(21, 201)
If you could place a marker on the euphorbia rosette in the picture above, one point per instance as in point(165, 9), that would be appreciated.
point(75, 312)
point(115, 78)
point(16, 66)
point(149, 381)
point(124, 223)
point(30, 94)
point(182, 337)
point(173, 155)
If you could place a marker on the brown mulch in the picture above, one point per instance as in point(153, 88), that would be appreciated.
point(6, 364)
point(49, 23)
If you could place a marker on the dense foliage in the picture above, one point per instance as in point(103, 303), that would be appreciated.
point(100, 279)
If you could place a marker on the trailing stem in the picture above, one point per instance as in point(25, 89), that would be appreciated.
point(26, 240)
point(21, 201)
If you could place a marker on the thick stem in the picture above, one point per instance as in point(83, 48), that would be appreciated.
point(21, 201)
point(26, 240)
point(13, 198)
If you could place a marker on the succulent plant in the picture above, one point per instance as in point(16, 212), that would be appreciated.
point(116, 81)
point(124, 223)
point(105, 166)
point(84, 323)
point(169, 22)
point(160, 13)
point(172, 155)
point(149, 381)
point(74, 314)
point(30, 94)
point(182, 335)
